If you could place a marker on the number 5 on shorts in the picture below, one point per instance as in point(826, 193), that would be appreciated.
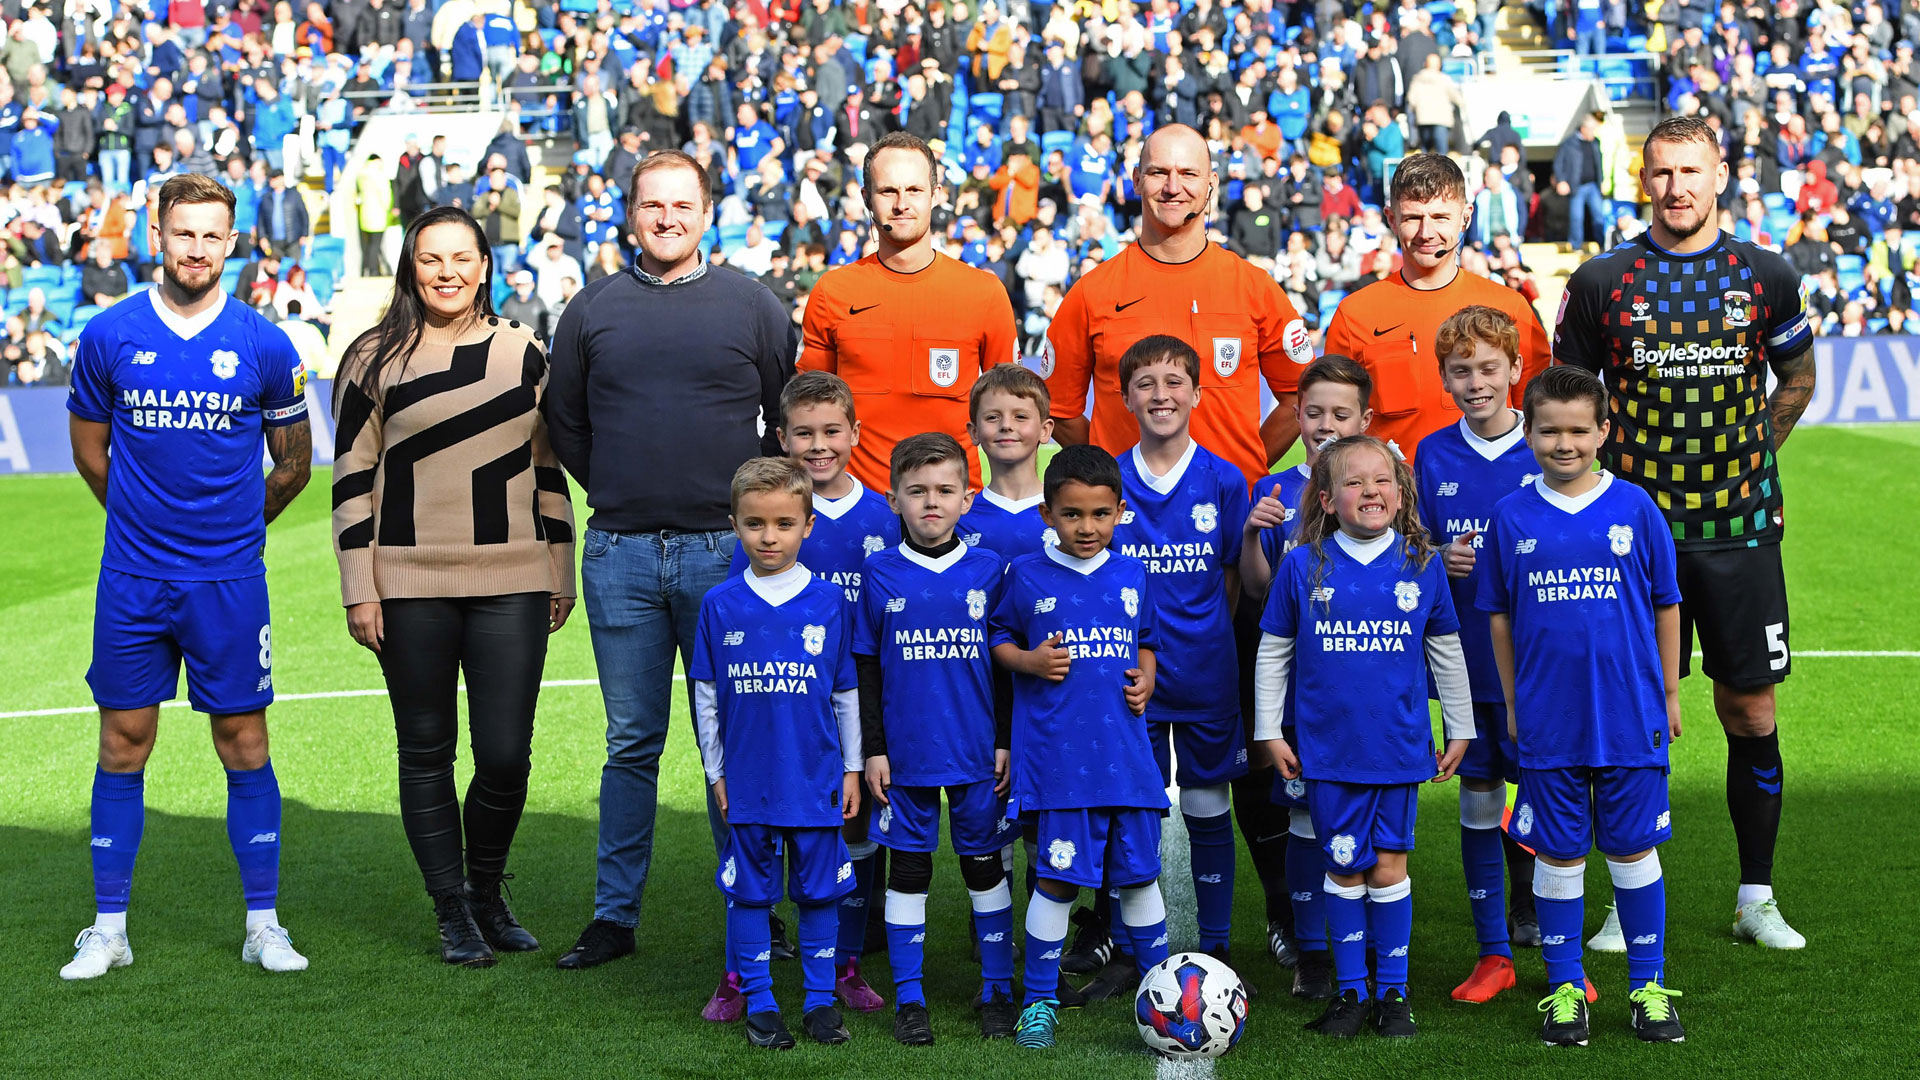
point(1777, 655)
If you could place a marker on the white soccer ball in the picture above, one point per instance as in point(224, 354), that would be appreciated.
point(1191, 1005)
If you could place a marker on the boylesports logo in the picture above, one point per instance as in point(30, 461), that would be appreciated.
point(226, 364)
point(1406, 594)
point(1449, 488)
point(734, 637)
point(1620, 539)
point(1044, 605)
point(1206, 517)
point(976, 603)
point(1342, 848)
point(1526, 546)
point(1060, 854)
point(896, 605)
point(1670, 353)
point(1523, 819)
point(813, 638)
point(1130, 599)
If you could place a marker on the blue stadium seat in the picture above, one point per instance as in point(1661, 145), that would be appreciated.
point(982, 107)
point(329, 261)
point(321, 282)
point(62, 308)
point(42, 276)
point(773, 230)
point(63, 292)
point(1329, 301)
point(856, 46)
point(1441, 10)
point(71, 273)
point(16, 301)
point(1852, 269)
point(328, 242)
point(1878, 326)
point(83, 315)
point(579, 6)
point(230, 276)
point(1773, 200)
point(1056, 140)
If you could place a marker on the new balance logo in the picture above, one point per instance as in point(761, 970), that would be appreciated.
point(1665, 819)
point(1159, 941)
point(1322, 594)
point(823, 954)
point(1554, 939)
point(995, 937)
point(103, 841)
point(265, 838)
point(845, 872)
point(896, 605)
point(765, 956)
point(265, 683)
point(734, 637)
point(1302, 897)
point(1357, 935)
point(144, 357)
point(1208, 879)
point(1647, 939)
point(854, 901)
point(1401, 951)
point(1476, 894)
point(1449, 488)
point(918, 939)
point(1044, 605)
point(1525, 547)
point(1050, 954)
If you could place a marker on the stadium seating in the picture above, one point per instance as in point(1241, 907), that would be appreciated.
point(1056, 140)
point(1852, 270)
point(42, 277)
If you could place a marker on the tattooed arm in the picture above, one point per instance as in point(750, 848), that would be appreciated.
point(291, 447)
point(1791, 395)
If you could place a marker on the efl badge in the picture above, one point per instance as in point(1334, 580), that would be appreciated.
point(1130, 599)
point(1226, 356)
point(225, 364)
point(1737, 308)
point(1205, 517)
point(1406, 594)
point(813, 638)
point(943, 366)
point(1060, 854)
point(1620, 539)
point(1296, 341)
point(299, 380)
point(1342, 849)
point(976, 604)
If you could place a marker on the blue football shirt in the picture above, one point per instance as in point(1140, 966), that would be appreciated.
point(774, 670)
point(1009, 528)
point(1076, 745)
point(1359, 673)
point(188, 402)
point(1580, 579)
point(1186, 528)
point(1460, 477)
point(1289, 486)
point(926, 620)
point(845, 531)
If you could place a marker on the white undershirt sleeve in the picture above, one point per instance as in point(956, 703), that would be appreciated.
point(706, 726)
point(846, 709)
point(1448, 663)
point(1270, 672)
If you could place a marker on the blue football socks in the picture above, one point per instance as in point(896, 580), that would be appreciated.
point(1483, 857)
point(852, 933)
point(1347, 933)
point(253, 828)
point(1390, 928)
point(1559, 899)
point(993, 927)
point(119, 817)
point(906, 944)
point(751, 934)
point(1046, 940)
point(818, 925)
point(1144, 912)
point(1640, 896)
point(1210, 841)
point(1306, 869)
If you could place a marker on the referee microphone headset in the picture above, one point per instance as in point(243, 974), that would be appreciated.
point(1204, 205)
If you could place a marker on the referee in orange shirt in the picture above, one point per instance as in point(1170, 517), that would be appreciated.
point(1173, 281)
point(1389, 325)
point(908, 328)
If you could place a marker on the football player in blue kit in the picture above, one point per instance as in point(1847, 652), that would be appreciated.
point(818, 429)
point(1009, 424)
point(181, 383)
point(1583, 599)
point(1075, 624)
point(1185, 509)
point(929, 723)
point(1364, 606)
point(1331, 406)
point(776, 706)
point(1460, 472)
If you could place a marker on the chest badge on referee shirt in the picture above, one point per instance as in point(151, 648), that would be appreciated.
point(1226, 356)
point(1737, 308)
point(943, 366)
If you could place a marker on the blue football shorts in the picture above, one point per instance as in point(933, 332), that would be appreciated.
point(1210, 752)
point(910, 820)
point(1491, 754)
point(1114, 847)
point(1567, 812)
point(819, 870)
point(1355, 822)
point(144, 627)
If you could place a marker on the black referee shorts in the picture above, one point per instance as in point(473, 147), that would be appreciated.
point(1734, 602)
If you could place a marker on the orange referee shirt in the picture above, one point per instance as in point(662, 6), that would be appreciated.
point(1233, 315)
point(910, 346)
point(1389, 327)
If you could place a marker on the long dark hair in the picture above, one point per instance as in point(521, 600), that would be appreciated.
point(397, 333)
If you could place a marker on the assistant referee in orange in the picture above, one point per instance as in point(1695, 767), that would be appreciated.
point(908, 328)
point(1389, 325)
point(1173, 281)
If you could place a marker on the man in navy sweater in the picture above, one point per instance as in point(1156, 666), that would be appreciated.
point(664, 379)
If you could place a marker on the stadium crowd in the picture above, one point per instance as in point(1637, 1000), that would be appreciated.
point(1038, 109)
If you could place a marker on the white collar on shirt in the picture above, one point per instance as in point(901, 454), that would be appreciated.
point(1365, 551)
point(939, 565)
point(1011, 506)
point(777, 589)
point(837, 508)
point(1164, 484)
point(186, 328)
point(1573, 504)
point(1492, 449)
point(1077, 565)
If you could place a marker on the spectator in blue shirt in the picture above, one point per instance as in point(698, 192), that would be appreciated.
point(273, 120)
point(469, 50)
point(32, 151)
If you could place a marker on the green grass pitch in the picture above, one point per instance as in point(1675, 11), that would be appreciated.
point(377, 1002)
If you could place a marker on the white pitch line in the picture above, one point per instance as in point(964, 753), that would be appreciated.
point(1176, 885)
point(314, 696)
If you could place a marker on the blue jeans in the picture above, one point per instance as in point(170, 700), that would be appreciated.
point(506, 258)
point(1587, 199)
point(114, 167)
point(1591, 41)
point(643, 594)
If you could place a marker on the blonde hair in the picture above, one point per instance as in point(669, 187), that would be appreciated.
point(1317, 524)
point(785, 476)
point(1479, 323)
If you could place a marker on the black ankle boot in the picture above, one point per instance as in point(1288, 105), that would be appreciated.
point(495, 919)
point(460, 940)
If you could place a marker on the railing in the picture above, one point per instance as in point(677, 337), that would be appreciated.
point(424, 97)
point(1625, 75)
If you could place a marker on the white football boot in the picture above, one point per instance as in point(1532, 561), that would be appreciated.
point(97, 952)
point(1608, 938)
point(271, 948)
point(1762, 924)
